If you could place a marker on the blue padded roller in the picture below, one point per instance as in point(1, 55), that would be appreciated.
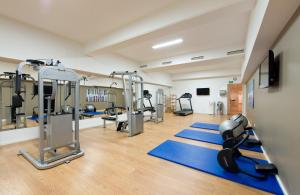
point(205, 159)
point(210, 138)
point(210, 126)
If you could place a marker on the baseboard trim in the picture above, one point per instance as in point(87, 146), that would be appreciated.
point(269, 160)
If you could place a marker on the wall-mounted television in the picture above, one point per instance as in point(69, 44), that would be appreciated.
point(269, 71)
point(203, 91)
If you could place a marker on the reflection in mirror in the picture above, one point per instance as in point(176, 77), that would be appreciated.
point(15, 116)
point(12, 107)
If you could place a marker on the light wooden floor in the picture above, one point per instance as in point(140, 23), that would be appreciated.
point(116, 164)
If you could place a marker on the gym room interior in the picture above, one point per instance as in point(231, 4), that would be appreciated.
point(149, 97)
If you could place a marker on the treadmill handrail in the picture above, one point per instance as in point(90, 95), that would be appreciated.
point(187, 96)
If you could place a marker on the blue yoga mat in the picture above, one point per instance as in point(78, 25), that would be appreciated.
point(36, 118)
point(206, 126)
point(210, 126)
point(205, 159)
point(210, 138)
point(94, 113)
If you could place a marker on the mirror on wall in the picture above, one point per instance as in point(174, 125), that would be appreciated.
point(12, 109)
point(14, 116)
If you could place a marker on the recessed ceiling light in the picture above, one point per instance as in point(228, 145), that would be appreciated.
point(239, 51)
point(143, 66)
point(167, 62)
point(197, 58)
point(166, 44)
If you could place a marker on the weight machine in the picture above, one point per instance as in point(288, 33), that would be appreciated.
point(133, 87)
point(58, 141)
point(15, 112)
point(160, 105)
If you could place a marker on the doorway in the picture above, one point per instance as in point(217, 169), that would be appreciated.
point(234, 98)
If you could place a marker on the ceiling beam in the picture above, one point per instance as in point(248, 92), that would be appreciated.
point(178, 12)
point(267, 21)
point(210, 57)
point(207, 74)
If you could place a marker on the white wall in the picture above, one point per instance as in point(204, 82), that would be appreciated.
point(20, 41)
point(276, 110)
point(24, 134)
point(201, 103)
point(11, 67)
point(7, 67)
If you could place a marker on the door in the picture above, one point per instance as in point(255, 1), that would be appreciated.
point(234, 98)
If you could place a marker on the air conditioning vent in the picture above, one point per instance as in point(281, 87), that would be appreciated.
point(143, 66)
point(167, 62)
point(197, 58)
point(234, 52)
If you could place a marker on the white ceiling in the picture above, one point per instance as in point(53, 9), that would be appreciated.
point(80, 20)
point(233, 62)
point(200, 34)
point(130, 28)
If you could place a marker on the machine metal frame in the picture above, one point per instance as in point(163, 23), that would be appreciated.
point(184, 111)
point(133, 87)
point(160, 106)
point(51, 136)
point(157, 111)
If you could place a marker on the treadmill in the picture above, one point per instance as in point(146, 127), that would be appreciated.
point(185, 111)
point(148, 97)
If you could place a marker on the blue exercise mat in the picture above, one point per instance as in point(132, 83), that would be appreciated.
point(210, 138)
point(36, 118)
point(94, 113)
point(206, 126)
point(205, 159)
point(210, 126)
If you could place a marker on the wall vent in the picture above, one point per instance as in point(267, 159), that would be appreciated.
point(234, 52)
point(166, 62)
point(197, 58)
point(143, 66)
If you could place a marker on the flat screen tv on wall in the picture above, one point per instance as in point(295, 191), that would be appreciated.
point(269, 71)
point(202, 91)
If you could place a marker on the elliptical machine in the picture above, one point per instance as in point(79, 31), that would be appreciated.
point(236, 133)
point(234, 130)
point(227, 158)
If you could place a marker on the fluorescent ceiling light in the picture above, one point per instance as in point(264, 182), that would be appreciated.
point(166, 44)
